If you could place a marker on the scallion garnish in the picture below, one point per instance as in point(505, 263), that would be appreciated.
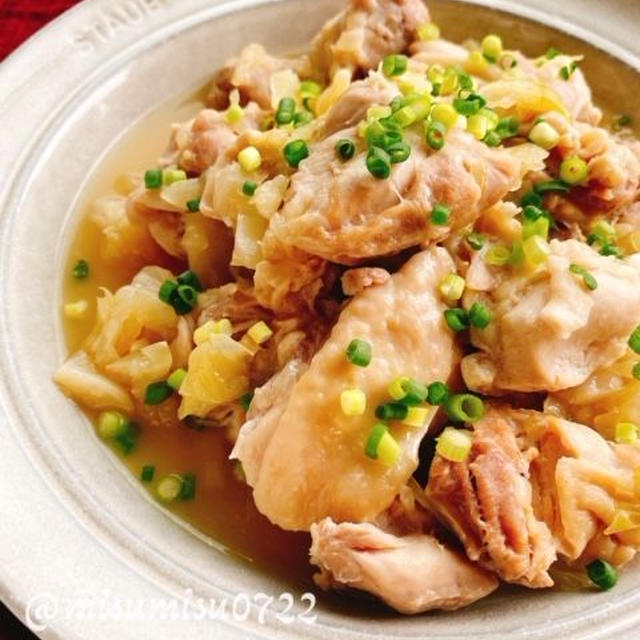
point(437, 393)
point(345, 148)
point(147, 473)
point(567, 71)
point(392, 411)
point(359, 352)
point(285, 111)
point(454, 444)
point(552, 53)
point(440, 215)
point(381, 445)
point(479, 316)
point(245, 400)
point(111, 424)
point(589, 281)
point(128, 439)
point(634, 340)
point(394, 65)
point(457, 319)
point(80, 270)
point(464, 407)
point(188, 489)
point(574, 170)
point(153, 178)
point(435, 135)
point(507, 127)
point(398, 152)
point(492, 139)
point(157, 392)
point(190, 278)
point(300, 118)
point(193, 206)
point(378, 163)
point(176, 379)
point(475, 240)
point(169, 487)
point(635, 371)
point(295, 152)
point(602, 574)
point(249, 187)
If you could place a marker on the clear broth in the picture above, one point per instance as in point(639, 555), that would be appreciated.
point(223, 508)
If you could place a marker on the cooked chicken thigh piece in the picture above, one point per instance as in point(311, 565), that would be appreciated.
point(339, 211)
point(549, 331)
point(311, 463)
point(411, 573)
point(365, 32)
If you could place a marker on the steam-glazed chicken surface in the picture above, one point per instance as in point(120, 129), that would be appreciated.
point(400, 275)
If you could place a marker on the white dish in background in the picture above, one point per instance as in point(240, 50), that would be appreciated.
point(74, 523)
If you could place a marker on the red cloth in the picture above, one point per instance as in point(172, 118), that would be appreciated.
point(21, 18)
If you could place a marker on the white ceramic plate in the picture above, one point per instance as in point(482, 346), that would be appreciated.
point(74, 524)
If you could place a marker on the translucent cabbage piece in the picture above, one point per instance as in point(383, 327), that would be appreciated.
point(218, 373)
point(80, 380)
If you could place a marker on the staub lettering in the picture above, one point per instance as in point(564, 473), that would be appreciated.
point(116, 18)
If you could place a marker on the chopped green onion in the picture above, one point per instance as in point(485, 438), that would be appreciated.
point(378, 163)
point(602, 574)
point(169, 176)
point(428, 31)
point(478, 126)
point(498, 256)
point(475, 240)
point(574, 170)
point(396, 390)
point(626, 433)
point(492, 47)
point(589, 281)
point(464, 407)
point(285, 111)
point(250, 159)
point(310, 89)
point(622, 121)
point(416, 416)
point(550, 186)
point(345, 148)
point(193, 205)
point(507, 127)
point(128, 439)
point(440, 215)
point(353, 402)
point(381, 445)
point(371, 447)
point(479, 316)
point(465, 80)
point(234, 114)
point(437, 393)
point(492, 139)
point(552, 53)
point(444, 114)
point(249, 187)
point(536, 227)
point(383, 133)
point(359, 352)
point(245, 400)
point(454, 444)
point(153, 178)
point(111, 424)
point(635, 371)
point(531, 199)
point(190, 278)
point(470, 105)
point(147, 473)
point(531, 213)
point(392, 411)
point(184, 299)
point(188, 489)
point(517, 254)
point(435, 135)
point(157, 392)
point(176, 379)
point(452, 287)
point(414, 392)
point(167, 289)
point(450, 81)
point(457, 319)
point(398, 152)
point(536, 250)
point(634, 340)
point(80, 270)
point(169, 487)
point(567, 71)
point(544, 135)
point(394, 65)
point(301, 118)
point(295, 152)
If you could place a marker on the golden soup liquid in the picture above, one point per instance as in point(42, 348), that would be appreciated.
point(223, 508)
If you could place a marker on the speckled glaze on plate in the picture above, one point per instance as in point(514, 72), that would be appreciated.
point(74, 523)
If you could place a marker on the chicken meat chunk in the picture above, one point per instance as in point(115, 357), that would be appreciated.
point(340, 212)
point(368, 30)
point(303, 456)
point(549, 330)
